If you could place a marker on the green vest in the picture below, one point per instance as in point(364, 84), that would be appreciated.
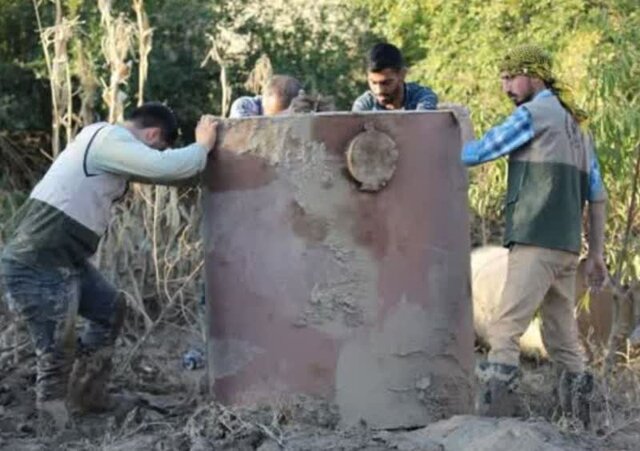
point(548, 181)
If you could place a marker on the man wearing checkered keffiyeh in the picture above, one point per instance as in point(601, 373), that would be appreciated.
point(533, 61)
point(553, 173)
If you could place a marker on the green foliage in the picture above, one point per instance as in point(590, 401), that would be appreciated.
point(19, 44)
point(596, 52)
point(320, 44)
point(405, 23)
point(324, 50)
point(615, 104)
point(25, 101)
point(175, 73)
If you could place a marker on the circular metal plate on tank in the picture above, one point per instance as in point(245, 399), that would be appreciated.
point(371, 158)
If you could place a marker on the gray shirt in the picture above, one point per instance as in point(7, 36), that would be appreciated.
point(67, 212)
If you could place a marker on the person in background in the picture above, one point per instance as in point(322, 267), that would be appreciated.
point(386, 72)
point(277, 94)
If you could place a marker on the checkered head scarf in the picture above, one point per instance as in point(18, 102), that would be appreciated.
point(534, 61)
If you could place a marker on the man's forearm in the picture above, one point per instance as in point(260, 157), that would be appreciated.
point(597, 219)
point(509, 136)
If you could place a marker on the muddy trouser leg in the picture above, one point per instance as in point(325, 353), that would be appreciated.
point(47, 301)
point(103, 308)
point(559, 324)
point(560, 336)
point(529, 277)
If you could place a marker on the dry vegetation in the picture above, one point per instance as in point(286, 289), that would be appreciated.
point(152, 248)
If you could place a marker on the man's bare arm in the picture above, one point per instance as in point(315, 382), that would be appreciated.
point(597, 219)
point(596, 267)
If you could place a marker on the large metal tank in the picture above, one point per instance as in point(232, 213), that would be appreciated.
point(320, 284)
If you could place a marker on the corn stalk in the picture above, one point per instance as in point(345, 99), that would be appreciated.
point(261, 72)
point(156, 195)
point(216, 54)
point(55, 43)
point(85, 71)
point(116, 46)
point(145, 36)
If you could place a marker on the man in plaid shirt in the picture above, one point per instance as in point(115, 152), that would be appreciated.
point(553, 173)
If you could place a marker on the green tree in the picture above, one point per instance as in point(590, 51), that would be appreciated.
point(454, 46)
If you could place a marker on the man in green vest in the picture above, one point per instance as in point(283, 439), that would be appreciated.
point(45, 266)
point(553, 172)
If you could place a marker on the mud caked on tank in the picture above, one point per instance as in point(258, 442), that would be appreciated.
point(337, 265)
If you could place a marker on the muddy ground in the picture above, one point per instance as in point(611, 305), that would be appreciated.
point(172, 412)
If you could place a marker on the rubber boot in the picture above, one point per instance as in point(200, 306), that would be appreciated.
point(53, 368)
point(53, 416)
point(576, 396)
point(88, 385)
point(497, 394)
point(51, 391)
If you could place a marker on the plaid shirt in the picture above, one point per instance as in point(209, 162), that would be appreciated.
point(513, 133)
point(416, 97)
point(246, 106)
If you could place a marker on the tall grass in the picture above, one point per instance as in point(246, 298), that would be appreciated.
point(615, 103)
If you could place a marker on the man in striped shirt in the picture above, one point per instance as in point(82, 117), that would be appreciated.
point(386, 71)
point(553, 173)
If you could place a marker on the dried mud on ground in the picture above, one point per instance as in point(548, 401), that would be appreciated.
point(172, 412)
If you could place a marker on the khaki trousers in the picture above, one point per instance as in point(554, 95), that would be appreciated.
point(544, 279)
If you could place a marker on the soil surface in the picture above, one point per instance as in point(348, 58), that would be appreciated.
point(168, 409)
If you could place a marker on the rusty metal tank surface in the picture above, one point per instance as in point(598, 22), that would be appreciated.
point(319, 285)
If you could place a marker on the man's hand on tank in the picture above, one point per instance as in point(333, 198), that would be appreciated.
point(206, 131)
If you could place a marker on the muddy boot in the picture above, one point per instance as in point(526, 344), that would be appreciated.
point(583, 399)
point(53, 416)
point(88, 387)
point(497, 393)
point(51, 390)
point(88, 391)
point(576, 395)
point(89, 379)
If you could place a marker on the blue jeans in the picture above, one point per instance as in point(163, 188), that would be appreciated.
point(48, 301)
